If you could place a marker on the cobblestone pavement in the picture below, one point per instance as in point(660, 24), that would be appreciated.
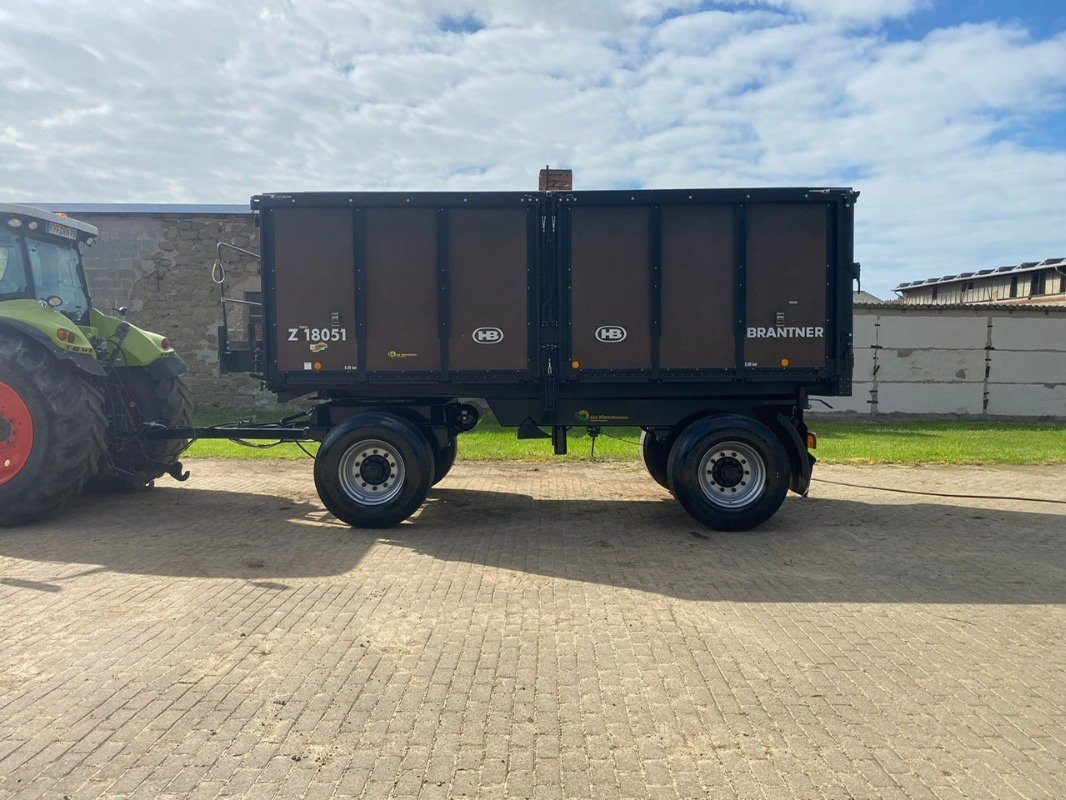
point(551, 630)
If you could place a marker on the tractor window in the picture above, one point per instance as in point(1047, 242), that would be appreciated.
point(13, 283)
point(57, 273)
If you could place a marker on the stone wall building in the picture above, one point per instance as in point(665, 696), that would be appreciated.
point(156, 261)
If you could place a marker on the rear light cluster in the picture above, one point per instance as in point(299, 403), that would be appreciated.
point(66, 336)
point(165, 344)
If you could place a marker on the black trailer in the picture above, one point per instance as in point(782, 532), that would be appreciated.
point(705, 317)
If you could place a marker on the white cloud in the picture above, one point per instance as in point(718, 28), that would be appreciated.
point(196, 101)
point(851, 10)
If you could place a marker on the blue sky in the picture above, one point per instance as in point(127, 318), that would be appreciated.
point(949, 117)
point(1046, 16)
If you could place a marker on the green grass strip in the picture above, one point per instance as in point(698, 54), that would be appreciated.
point(860, 442)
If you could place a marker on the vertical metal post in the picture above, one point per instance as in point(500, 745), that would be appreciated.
point(443, 292)
point(270, 297)
point(740, 287)
point(655, 239)
point(359, 249)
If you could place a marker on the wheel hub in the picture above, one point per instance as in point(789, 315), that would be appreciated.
point(375, 469)
point(732, 474)
point(16, 433)
point(727, 471)
point(372, 472)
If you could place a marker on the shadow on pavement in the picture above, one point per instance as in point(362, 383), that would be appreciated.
point(192, 532)
point(813, 550)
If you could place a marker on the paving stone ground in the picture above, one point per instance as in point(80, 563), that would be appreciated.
point(545, 630)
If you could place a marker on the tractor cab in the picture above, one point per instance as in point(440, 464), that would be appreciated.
point(40, 260)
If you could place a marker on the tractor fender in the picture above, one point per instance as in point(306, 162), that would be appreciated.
point(167, 367)
point(85, 363)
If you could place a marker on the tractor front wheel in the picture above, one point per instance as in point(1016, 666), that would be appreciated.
point(51, 430)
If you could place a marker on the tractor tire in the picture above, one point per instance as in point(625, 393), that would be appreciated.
point(444, 460)
point(134, 463)
point(52, 428)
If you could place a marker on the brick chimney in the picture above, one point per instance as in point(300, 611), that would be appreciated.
point(556, 180)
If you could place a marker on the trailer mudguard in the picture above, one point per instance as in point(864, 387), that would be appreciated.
point(802, 461)
point(84, 363)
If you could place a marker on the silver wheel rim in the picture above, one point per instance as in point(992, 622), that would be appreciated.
point(371, 472)
point(732, 474)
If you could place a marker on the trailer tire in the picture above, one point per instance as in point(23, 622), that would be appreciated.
point(729, 472)
point(656, 456)
point(51, 430)
point(444, 460)
point(374, 470)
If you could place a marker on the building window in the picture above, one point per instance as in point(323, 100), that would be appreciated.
point(1014, 286)
point(936, 293)
point(1039, 283)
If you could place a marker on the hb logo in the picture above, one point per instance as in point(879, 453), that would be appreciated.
point(487, 335)
point(610, 333)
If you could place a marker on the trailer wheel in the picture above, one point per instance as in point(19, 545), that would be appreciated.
point(729, 472)
point(51, 430)
point(374, 470)
point(444, 459)
point(655, 455)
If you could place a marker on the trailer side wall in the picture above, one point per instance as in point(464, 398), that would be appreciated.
point(534, 297)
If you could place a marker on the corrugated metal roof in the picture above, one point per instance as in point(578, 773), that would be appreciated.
point(977, 308)
point(1027, 266)
point(144, 208)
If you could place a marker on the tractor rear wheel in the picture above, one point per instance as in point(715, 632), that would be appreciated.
point(51, 430)
point(133, 462)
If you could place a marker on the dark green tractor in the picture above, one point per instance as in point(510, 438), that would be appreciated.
point(78, 388)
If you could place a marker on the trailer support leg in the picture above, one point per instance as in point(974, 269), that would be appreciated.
point(559, 439)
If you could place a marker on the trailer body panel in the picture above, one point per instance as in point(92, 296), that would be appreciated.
point(487, 289)
point(313, 260)
point(699, 262)
point(552, 304)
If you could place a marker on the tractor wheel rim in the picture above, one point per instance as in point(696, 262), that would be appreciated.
point(16, 433)
point(732, 474)
point(371, 472)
